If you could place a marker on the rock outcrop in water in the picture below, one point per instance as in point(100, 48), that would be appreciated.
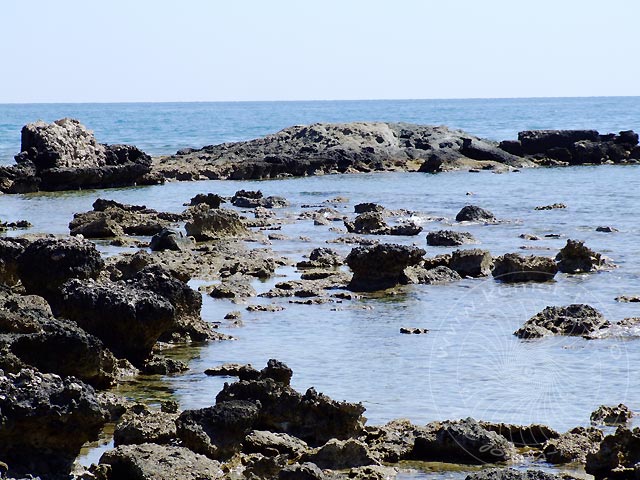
point(575, 319)
point(64, 155)
point(337, 148)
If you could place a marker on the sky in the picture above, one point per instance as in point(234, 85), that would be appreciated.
point(238, 50)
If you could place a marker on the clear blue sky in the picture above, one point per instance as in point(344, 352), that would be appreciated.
point(208, 50)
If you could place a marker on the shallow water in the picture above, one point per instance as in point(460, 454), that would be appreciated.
point(469, 364)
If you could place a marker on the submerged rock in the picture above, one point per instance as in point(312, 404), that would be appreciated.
point(575, 257)
point(45, 421)
point(511, 474)
point(381, 266)
point(513, 267)
point(575, 319)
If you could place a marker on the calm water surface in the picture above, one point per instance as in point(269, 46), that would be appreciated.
point(469, 364)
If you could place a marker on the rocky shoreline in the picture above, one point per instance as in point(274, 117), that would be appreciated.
point(74, 322)
point(64, 155)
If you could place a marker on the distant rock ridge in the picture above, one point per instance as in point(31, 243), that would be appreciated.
point(64, 155)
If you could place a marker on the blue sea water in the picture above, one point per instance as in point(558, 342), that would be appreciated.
point(163, 128)
point(469, 364)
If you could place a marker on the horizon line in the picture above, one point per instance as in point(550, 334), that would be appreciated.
point(100, 102)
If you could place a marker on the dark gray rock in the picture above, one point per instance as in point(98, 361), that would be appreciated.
point(235, 286)
point(45, 421)
point(381, 266)
point(611, 415)
point(462, 441)
point(511, 474)
point(534, 435)
point(47, 263)
point(333, 148)
point(158, 462)
point(167, 239)
point(304, 471)
point(473, 213)
point(211, 199)
point(617, 457)
point(513, 267)
point(128, 320)
point(575, 257)
point(368, 207)
point(540, 141)
point(368, 223)
point(270, 444)
point(449, 238)
point(142, 425)
point(321, 258)
point(471, 263)
point(10, 250)
point(575, 319)
point(218, 431)
point(573, 446)
point(341, 454)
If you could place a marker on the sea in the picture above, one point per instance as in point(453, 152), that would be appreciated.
point(469, 364)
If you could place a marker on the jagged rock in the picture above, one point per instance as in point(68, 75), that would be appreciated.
point(553, 206)
point(10, 250)
point(167, 239)
point(511, 474)
point(471, 263)
point(211, 223)
point(541, 141)
point(110, 219)
point(449, 238)
point(304, 471)
point(368, 207)
point(271, 444)
point(473, 213)
point(236, 286)
point(45, 421)
point(617, 457)
point(513, 267)
point(332, 148)
point(611, 415)
point(393, 441)
point(413, 330)
point(47, 263)
point(573, 446)
point(321, 258)
point(341, 454)
point(575, 319)
point(462, 441)
point(64, 155)
point(159, 462)
point(243, 372)
point(381, 266)
point(432, 276)
point(211, 199)
point(255, 199)
point(575, 257)
point(141, 425)
point(218, 431)
point(373, 472)
point(523, 435)
point(128, 320)
point(368, 223)
point(187, 323)
point(311, 417)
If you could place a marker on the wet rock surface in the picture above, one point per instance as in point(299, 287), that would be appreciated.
point(449, 238)
point(513, 267)
point(471, 263)
point(575, 257)
point(381, 266)
point(575, 319)
point(473, 213)
point(45, 421)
